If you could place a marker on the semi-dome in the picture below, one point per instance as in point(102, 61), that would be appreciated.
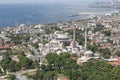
point(22, 25)
point(62, 36)
point(88, 52)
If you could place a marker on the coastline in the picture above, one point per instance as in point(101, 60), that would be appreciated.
point(88, 14)
point(45, 14)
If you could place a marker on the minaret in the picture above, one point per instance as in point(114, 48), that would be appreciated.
point(91, 35)
point(74, 27)
point(28, 23)
point(85, 46)
point(114, 2)
point(72, 44)
point(16, 23)
point(42, 42)
point(42, 39)
point(49, 40)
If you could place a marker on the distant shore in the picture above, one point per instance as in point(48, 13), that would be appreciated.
point(45, 13)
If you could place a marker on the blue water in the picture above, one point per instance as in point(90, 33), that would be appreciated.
point(41, 13)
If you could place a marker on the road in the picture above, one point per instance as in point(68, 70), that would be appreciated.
point(20, 76)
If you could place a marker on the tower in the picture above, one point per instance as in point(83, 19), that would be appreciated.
point(72, 44)
point(62, 46)
point(74, 32)
point(16, 23)
point(49, 40)
point(112, 2)
point(85, 46)
point(28, 23)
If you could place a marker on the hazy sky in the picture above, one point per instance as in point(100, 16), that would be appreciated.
point(45, 1)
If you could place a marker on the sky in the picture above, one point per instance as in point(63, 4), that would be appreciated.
point(44, 1)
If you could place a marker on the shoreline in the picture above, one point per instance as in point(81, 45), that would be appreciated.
point(87, 14)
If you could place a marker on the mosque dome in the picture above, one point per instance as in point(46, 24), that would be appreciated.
point(88, 53)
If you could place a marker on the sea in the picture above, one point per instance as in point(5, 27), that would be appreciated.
point(16, 14)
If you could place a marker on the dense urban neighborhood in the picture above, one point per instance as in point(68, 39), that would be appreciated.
point(87, 49)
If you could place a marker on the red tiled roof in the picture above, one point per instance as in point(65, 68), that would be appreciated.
point(115, 63)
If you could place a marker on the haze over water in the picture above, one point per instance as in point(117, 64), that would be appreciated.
point(46, 12)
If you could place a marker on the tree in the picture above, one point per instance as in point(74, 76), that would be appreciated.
point(107, 33)
point(39, 75)
point(49, 75)
point(116, 73)
point(12, 77)
point(105, 53)
point(12, 66)
point(93, 47)
point(99, 27)
point(1, 72)
point(5, 62)
point(64, 65)
point(118, 53)
point(25, 62)
point(95, 77)
point(35, 45)
point(18, 39)
point(81, 40)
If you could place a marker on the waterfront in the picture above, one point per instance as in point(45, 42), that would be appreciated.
point(45, 13)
